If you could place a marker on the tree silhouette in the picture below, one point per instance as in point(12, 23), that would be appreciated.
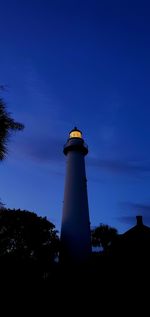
point(7, 125)
point(103, 236)
point(28, 240)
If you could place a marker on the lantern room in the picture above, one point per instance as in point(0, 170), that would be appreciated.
point(75, 133)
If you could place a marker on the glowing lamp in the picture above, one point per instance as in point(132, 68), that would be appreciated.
point(75, 133)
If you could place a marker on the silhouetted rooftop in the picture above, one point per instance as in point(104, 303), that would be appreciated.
point(138, 229)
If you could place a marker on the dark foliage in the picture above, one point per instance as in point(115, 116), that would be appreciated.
point(7, 126)
point(103, 236)
point(28, 243)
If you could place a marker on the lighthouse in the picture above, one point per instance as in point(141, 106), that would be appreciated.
point(75, 228)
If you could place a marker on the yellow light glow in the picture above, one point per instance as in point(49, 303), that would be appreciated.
point(75, 134)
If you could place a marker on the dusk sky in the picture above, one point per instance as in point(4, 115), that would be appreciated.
point(84, 63)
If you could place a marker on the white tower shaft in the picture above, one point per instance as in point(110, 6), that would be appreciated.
point(75, 231)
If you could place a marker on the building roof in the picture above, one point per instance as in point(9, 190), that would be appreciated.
point(139, 230)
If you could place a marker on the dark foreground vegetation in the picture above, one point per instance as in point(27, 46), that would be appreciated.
point(29, 254)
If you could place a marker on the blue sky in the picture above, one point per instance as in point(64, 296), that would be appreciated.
point(83, 63)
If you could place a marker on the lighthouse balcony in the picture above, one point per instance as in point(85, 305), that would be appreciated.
point(76, 144)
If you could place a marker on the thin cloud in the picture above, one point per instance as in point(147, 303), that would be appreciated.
point(136, 209)
point(120, 166)
point(40, 148)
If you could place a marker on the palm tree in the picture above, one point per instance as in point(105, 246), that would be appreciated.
point(7, 125)
point(103, 236)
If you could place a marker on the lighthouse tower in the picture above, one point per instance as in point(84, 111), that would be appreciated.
point(75, 229)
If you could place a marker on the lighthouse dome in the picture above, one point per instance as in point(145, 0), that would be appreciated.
point(75, 133)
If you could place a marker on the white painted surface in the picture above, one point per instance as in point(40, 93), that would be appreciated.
point(75, 230)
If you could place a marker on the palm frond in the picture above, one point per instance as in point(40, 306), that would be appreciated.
point(7, 125)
